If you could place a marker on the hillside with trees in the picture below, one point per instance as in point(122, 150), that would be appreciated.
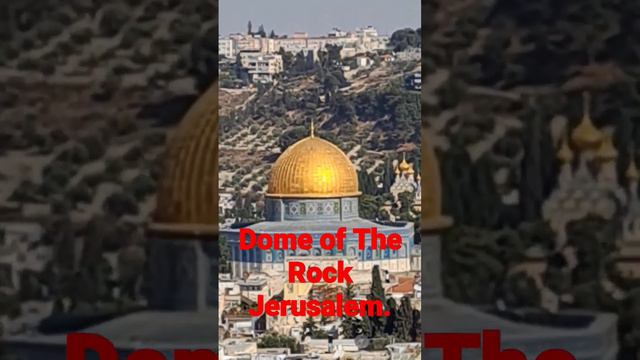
point(504, 82)
point(368, 113)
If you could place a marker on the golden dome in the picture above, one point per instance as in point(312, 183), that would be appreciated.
point(565, 155)
point(586, 135)
point(404, 165)
point(607, 152)
point(632, 171)
point(187, 196)
point(313, 168)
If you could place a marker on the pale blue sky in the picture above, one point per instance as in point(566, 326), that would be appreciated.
point(317, 16)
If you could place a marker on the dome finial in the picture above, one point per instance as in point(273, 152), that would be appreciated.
point(586, 136)
point(404, 165)
point(586, 104)
point(564, 154)
point(607, 151)
point(312, 129)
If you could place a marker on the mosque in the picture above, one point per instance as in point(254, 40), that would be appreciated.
point(313, 188)
point(588, 184)
point(182, 248)
point(596, 337)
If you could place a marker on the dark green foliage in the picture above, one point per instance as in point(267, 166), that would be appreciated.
point(402, 39)
point(274, 340)
point(591, 237)
point(475, 262)
point(142, 186)
point(119, 204)
point(48, 29)
point(292, 135)
point(82, 192)
point(537, 166)
point(113, 19)
point(94, 145)
point(224, 255)
point(521, 291)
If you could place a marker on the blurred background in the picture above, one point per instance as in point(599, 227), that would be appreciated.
point(533, 110)
point(91, 91)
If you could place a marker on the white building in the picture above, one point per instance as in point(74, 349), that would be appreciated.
point(261, 67)
point(20, 251)
point(226, 47)
point(363, 61)
point(360, 41)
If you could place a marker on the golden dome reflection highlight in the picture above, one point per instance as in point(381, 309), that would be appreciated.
point(586, 135)
point(313, 168)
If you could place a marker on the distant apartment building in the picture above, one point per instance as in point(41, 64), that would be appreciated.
point(226, 47)
point(20, 252)
point(261, 67)
point(359, 41)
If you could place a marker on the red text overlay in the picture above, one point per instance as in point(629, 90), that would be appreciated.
point(79, 345)
point(453, 344)
point(299, 272)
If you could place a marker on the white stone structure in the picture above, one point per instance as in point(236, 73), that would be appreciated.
point(406, 181)
point(261, 67)
point(587, 186)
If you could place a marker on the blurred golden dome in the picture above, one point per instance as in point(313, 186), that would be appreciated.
point(565, 155)
point(586, 135)
point(606, 152)
point(632, 171)
point(404, 165)
point(313, 168)
point(188, 192)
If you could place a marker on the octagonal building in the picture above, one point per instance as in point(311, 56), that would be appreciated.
point(313, 188)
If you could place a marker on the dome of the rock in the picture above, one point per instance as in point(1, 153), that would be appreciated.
point(313, 168)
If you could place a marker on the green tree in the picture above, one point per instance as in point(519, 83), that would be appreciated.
point(309, 328)
point(275, 340)
point(225, 254)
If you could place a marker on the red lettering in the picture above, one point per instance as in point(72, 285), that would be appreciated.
point(264, 242)
point(272, 308)
point(252, 239)
point(78, 344)
point(146, 354)
point(314, 274)
point(340, 236)
point(491, 348)
point(362, 243)
point(395, 241)
point(351, 308)
point(555, 354)
point(296, 270)
point(327, 274)
point(343, 273)
point(327, 241)
point(305, 241)
point(452, 344)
